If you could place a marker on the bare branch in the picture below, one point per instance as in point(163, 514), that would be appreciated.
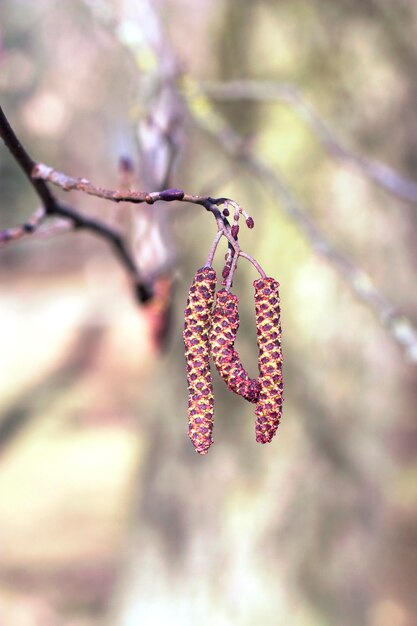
point(378, 172)
point(68, 183)
point(400, 328)
point(26, 229)
point(40, 174)
point(53, 207)
point(25, 161)
point(40, 171)
point(53, 228)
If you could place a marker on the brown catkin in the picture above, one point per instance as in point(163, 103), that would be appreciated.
point(197, 353)
point(268, 324)
point(225, 324)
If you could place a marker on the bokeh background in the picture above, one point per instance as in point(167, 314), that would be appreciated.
point(107, 515)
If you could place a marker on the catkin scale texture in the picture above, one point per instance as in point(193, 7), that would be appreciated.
point(197, 354)
point(225, 324)
point(268, 325)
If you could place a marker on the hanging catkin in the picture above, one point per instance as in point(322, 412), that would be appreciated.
point(197, 353)
point(268, 324)
point(225, 324)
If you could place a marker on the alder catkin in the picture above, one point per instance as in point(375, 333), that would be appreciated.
point(268, 324)
point(224, 327)
point(197, 353)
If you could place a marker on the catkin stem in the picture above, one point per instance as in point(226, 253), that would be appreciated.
point(254, 263)
point(213, 248)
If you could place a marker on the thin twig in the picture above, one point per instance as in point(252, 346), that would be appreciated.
point(254, 263)
point(42, 172)
point(213, 248)
point(53, 207)
point(53, 228)
point(28, 228)
point(261, 91)
point(229, 280)
point(68, 183)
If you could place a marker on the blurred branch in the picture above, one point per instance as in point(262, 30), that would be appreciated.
point(26, 229)
point(379, 173)
point(203, 113)
point(159, 122)
point(25, 407)
point(52, 229)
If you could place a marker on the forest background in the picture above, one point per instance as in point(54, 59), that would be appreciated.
point(106, 512)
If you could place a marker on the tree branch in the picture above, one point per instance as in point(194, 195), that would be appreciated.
point(26, 229)
point(53, 207)
point(261, 91)
point(68, 183)
point(40, 174)
point(25, 161)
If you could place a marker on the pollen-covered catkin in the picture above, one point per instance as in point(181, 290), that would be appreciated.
point(268, 324)
point(197, 353)
point(224, 327)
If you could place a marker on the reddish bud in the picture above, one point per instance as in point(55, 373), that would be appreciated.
point(235, 230)
point(226, 212)
point(126, 164)
point(249, 222)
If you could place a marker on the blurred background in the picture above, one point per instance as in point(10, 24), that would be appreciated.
point(107, 515)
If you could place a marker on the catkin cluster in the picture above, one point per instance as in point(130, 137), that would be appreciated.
point(211, 332)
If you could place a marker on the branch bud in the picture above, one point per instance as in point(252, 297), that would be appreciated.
point(168, 195)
